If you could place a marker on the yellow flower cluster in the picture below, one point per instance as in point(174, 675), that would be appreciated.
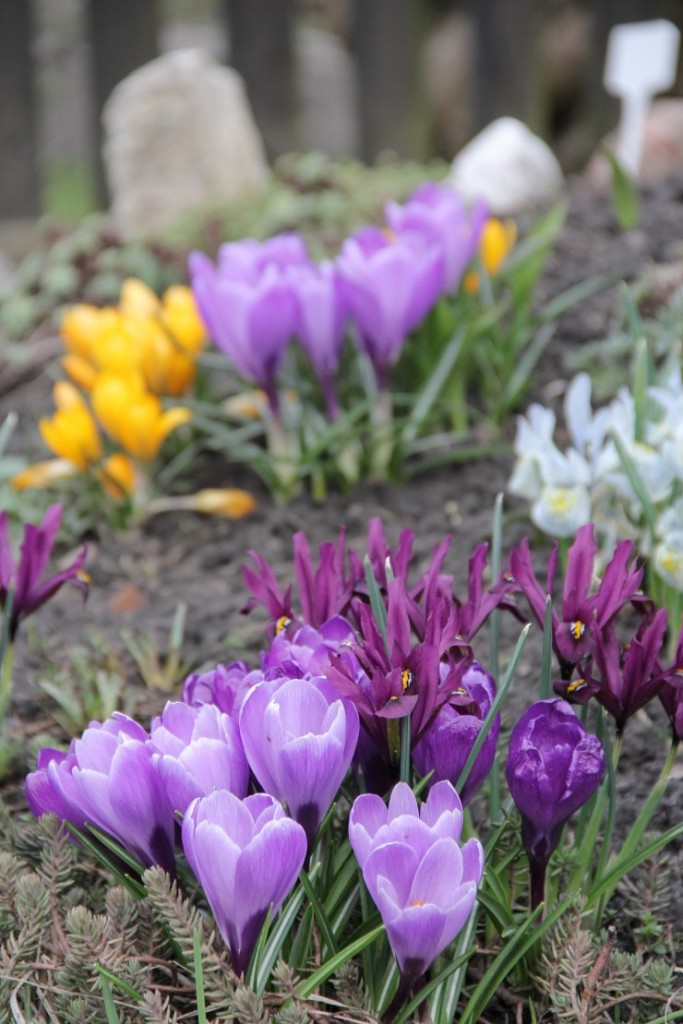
point(122, 361)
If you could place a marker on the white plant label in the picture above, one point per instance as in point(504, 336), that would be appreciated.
point(641, 62)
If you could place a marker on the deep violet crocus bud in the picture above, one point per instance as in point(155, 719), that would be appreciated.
point(446, 745)
point(247, 855)
point(423, 882)
point(226, 686)
point(437, 212)
point(392, 281)
point(554, 767)
point(199, 750)
point(299, 737)
point(107, 779)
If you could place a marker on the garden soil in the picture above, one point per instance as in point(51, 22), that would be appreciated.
point(140, 577)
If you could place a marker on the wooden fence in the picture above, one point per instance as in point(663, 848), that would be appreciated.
point(385, 42)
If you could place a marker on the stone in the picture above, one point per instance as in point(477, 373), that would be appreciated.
point(513, 169)
point(662, 152)
point(179, 136)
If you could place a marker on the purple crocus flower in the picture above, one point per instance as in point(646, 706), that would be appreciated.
point(671, 693)
point(250, 317)
point(554, 767)
point(305, 651)
point(248, 258)
point(320, 318)
point(107, 779)
point(299, 737)
point(24, 580)
point(391, 283)
point(447, 743)
point(437, 212)
point(199, 750)
point(226, 686)
point(423, 882)
point(247, 855)
point(583, 614)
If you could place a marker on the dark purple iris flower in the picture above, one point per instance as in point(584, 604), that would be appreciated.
point(625, 677)
point(584, 614)
point(447, 743)
point(423, 882)
point(25, 579)
point(108, 779)
point(390, 680)
point(554, 767)
point(437, 212)
point(247, 855)
point(392, 281)
point(671, 693)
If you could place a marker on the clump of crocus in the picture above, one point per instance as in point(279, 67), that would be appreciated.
point(108, 779)
point(247, 855)
point(311, 735)
point(554, 766)
point(24, 587)
point(423, 882)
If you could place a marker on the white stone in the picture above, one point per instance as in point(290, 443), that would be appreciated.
point(509, 166)
point(179, 134)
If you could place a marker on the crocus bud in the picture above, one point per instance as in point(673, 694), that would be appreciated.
point(423, 882)
point(554, 767)
point(107, 779)
point(299, 737)
point(199, 750)
point(247, 856)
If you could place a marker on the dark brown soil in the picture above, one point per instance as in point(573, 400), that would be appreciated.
point(139, 577)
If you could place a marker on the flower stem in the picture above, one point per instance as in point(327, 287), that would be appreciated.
point(537, 870)
point(382, 450)
point(6, 679)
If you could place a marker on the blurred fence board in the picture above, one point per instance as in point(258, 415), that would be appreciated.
point(261, 50)
point(123, 35)
point(19, 179)
point(387, 40)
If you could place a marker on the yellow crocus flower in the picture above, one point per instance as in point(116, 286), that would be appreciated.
point(81, 370)
point(43, 474)
point(81, 325)
point(231, 502)
point(497, 240)
point(180, 317)
point(138, 299)
point(132, 416)
point(71, 433)
point(118, 475)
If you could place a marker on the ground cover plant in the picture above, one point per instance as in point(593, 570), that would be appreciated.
point(92, 932)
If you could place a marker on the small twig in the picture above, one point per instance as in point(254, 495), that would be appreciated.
point(597, 970)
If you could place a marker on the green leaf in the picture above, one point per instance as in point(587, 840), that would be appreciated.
point(547, 655)
point(319, 977)
point(258, 949)
point(101, 856)
point(427, 990)
point(284, 922)
point(199, 978)
point(424, 402)
point(376, 601)
point(320, 915)
point(109, 976)
point(625, 196)
point(109, 1006)
point(624, 865)
point(447, 994)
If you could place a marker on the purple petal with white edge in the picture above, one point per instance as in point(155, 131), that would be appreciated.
point(402, 801)
point(472, 861)
point(443, 800)
point(256, 742)
point(397, 864)
point(368, 815)
point(416, 936)
point(438, 875)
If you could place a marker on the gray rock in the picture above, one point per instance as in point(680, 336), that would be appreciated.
point(509, 166)
point(179, 134)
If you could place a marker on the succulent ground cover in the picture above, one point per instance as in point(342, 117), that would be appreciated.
point(139, 580)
